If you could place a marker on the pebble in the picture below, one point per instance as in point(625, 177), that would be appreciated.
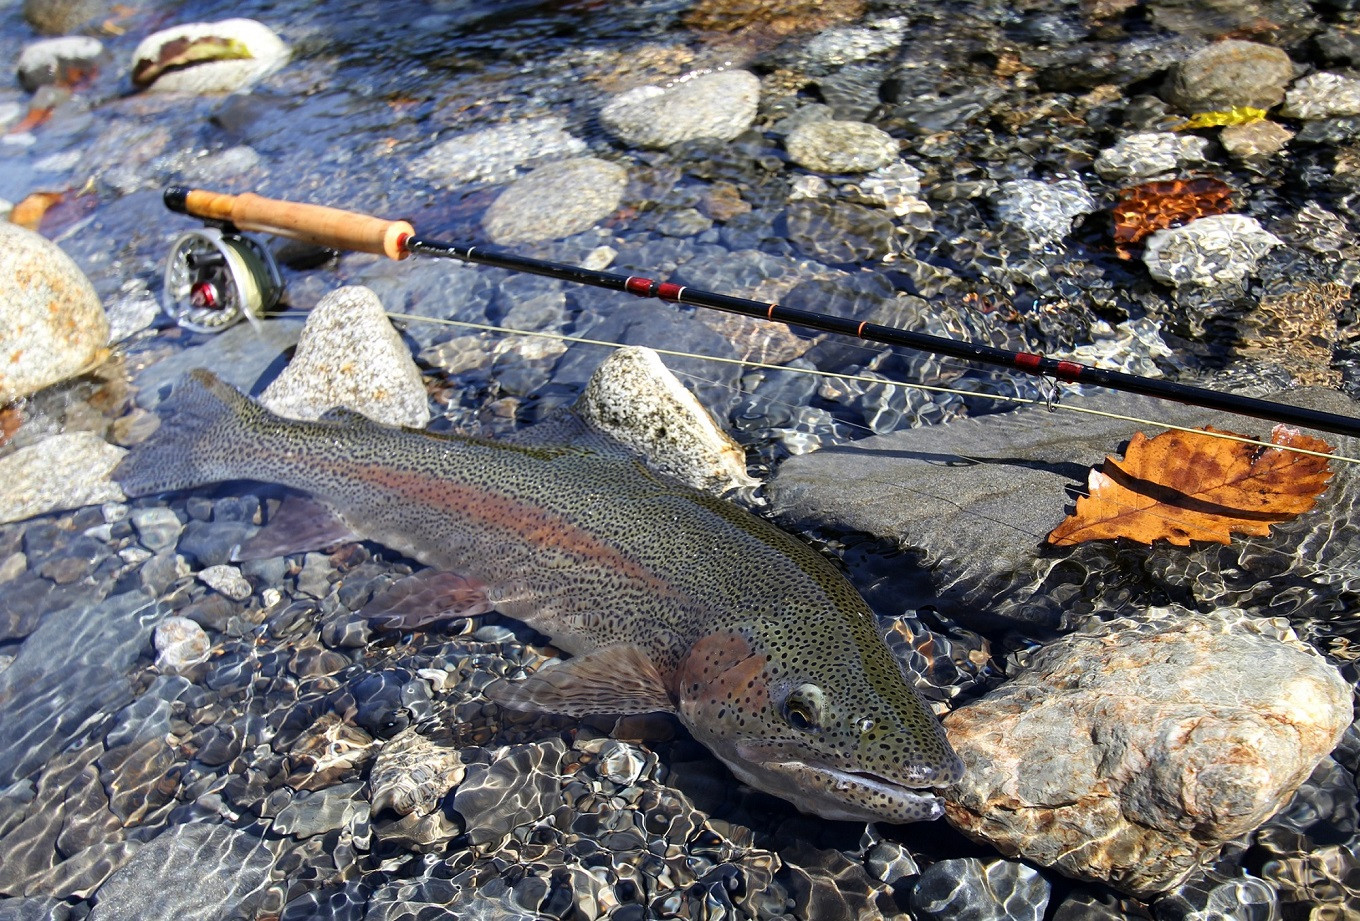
point(267, 53)
point(1159, 739)
point(1255, 141)
point(412, 773)
point(494, 155)
point(1043, 211)
point(157, 528)
point(717, 105)
point(180, 644)
point(1229, 73)
point(58, 60)
point(54, 321)
point(350, 357)
point(226, 580)
point(1322, 95)
point(968, 889)
point(840, 146)
point(1219, 249)
point(840, 232)
point(60, 472)
point(583, 192)
point(1141, 156)
point(621, 763)
point(635, 399)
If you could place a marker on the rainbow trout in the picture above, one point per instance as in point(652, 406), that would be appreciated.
point(668, 599)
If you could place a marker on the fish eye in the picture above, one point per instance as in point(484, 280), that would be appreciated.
point(803, 707)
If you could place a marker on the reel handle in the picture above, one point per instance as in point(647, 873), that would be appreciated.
point(328, 227)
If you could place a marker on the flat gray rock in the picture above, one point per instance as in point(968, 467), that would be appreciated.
point(976, 498)
point(188, 873)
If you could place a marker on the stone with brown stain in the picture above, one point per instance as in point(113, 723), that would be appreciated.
point(52, 324)
point(1129, 752)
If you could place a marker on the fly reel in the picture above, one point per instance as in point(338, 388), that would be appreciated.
point(214, 279)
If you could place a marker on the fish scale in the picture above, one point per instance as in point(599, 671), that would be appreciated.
point(667, 598)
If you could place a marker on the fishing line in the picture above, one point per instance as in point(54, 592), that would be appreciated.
point(859, 378)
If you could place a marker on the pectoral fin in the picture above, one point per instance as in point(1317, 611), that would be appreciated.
point(424, 598)
point(298, 525)
point(616, 679)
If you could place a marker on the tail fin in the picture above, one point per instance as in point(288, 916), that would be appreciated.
point(204, 433)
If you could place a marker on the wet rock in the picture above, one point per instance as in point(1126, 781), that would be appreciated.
point(967, 889)
point(48, 708)
point(1227, 74)
point(1215, 250)
point(584, 191)
point(1322, 95)
point(840, 146)
point(412, 773)
point(494, 155)
point(157, 528)
point(207, 57)
point(34, 910)
point(780, 16)
point(1242, 898)
point(1043, 211)
point(1129, 752)
point(180, 644)
point(621, 763)
point(996, 468)
point(54, 322)
point(188, 873)
point(717, 105)
point(58, 17)
point(61, 472)
point(636, 400)
point(310, 814)
point(840, 233)
point(350, 357)
point(518, 787)
point(226, 580)
point(1255, 141)
point(1139, 156)
point(58, 60)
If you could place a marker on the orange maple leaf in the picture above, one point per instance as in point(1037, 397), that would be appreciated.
point(1184, 486)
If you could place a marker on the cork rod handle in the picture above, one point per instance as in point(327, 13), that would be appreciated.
point(329, 227)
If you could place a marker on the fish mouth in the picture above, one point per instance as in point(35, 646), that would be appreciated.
point(846, 795)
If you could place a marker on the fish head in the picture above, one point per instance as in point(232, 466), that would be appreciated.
point(823, 720)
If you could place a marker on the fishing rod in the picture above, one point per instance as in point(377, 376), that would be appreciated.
point(199, 267)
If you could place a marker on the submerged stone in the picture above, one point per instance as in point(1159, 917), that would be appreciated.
point(1129, 752)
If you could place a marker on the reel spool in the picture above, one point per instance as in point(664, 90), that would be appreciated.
point(214, 279)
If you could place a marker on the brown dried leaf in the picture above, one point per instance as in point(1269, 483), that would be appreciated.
point(29, 212)
point(1184, 486)
point(1151, 206)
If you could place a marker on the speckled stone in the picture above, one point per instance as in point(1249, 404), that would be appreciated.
point(583, 191)
point(350, 356)
point(1322, 95)
point(1227, 74)
point(180, 643)
point(840, 146)
point(226, 580)
point(65, 471)
point(635, 399)
point(1130, 751)
point(1215, 250)
point(54, 322)
point(1253, 141)
point(267, 53)
point(718, 105)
